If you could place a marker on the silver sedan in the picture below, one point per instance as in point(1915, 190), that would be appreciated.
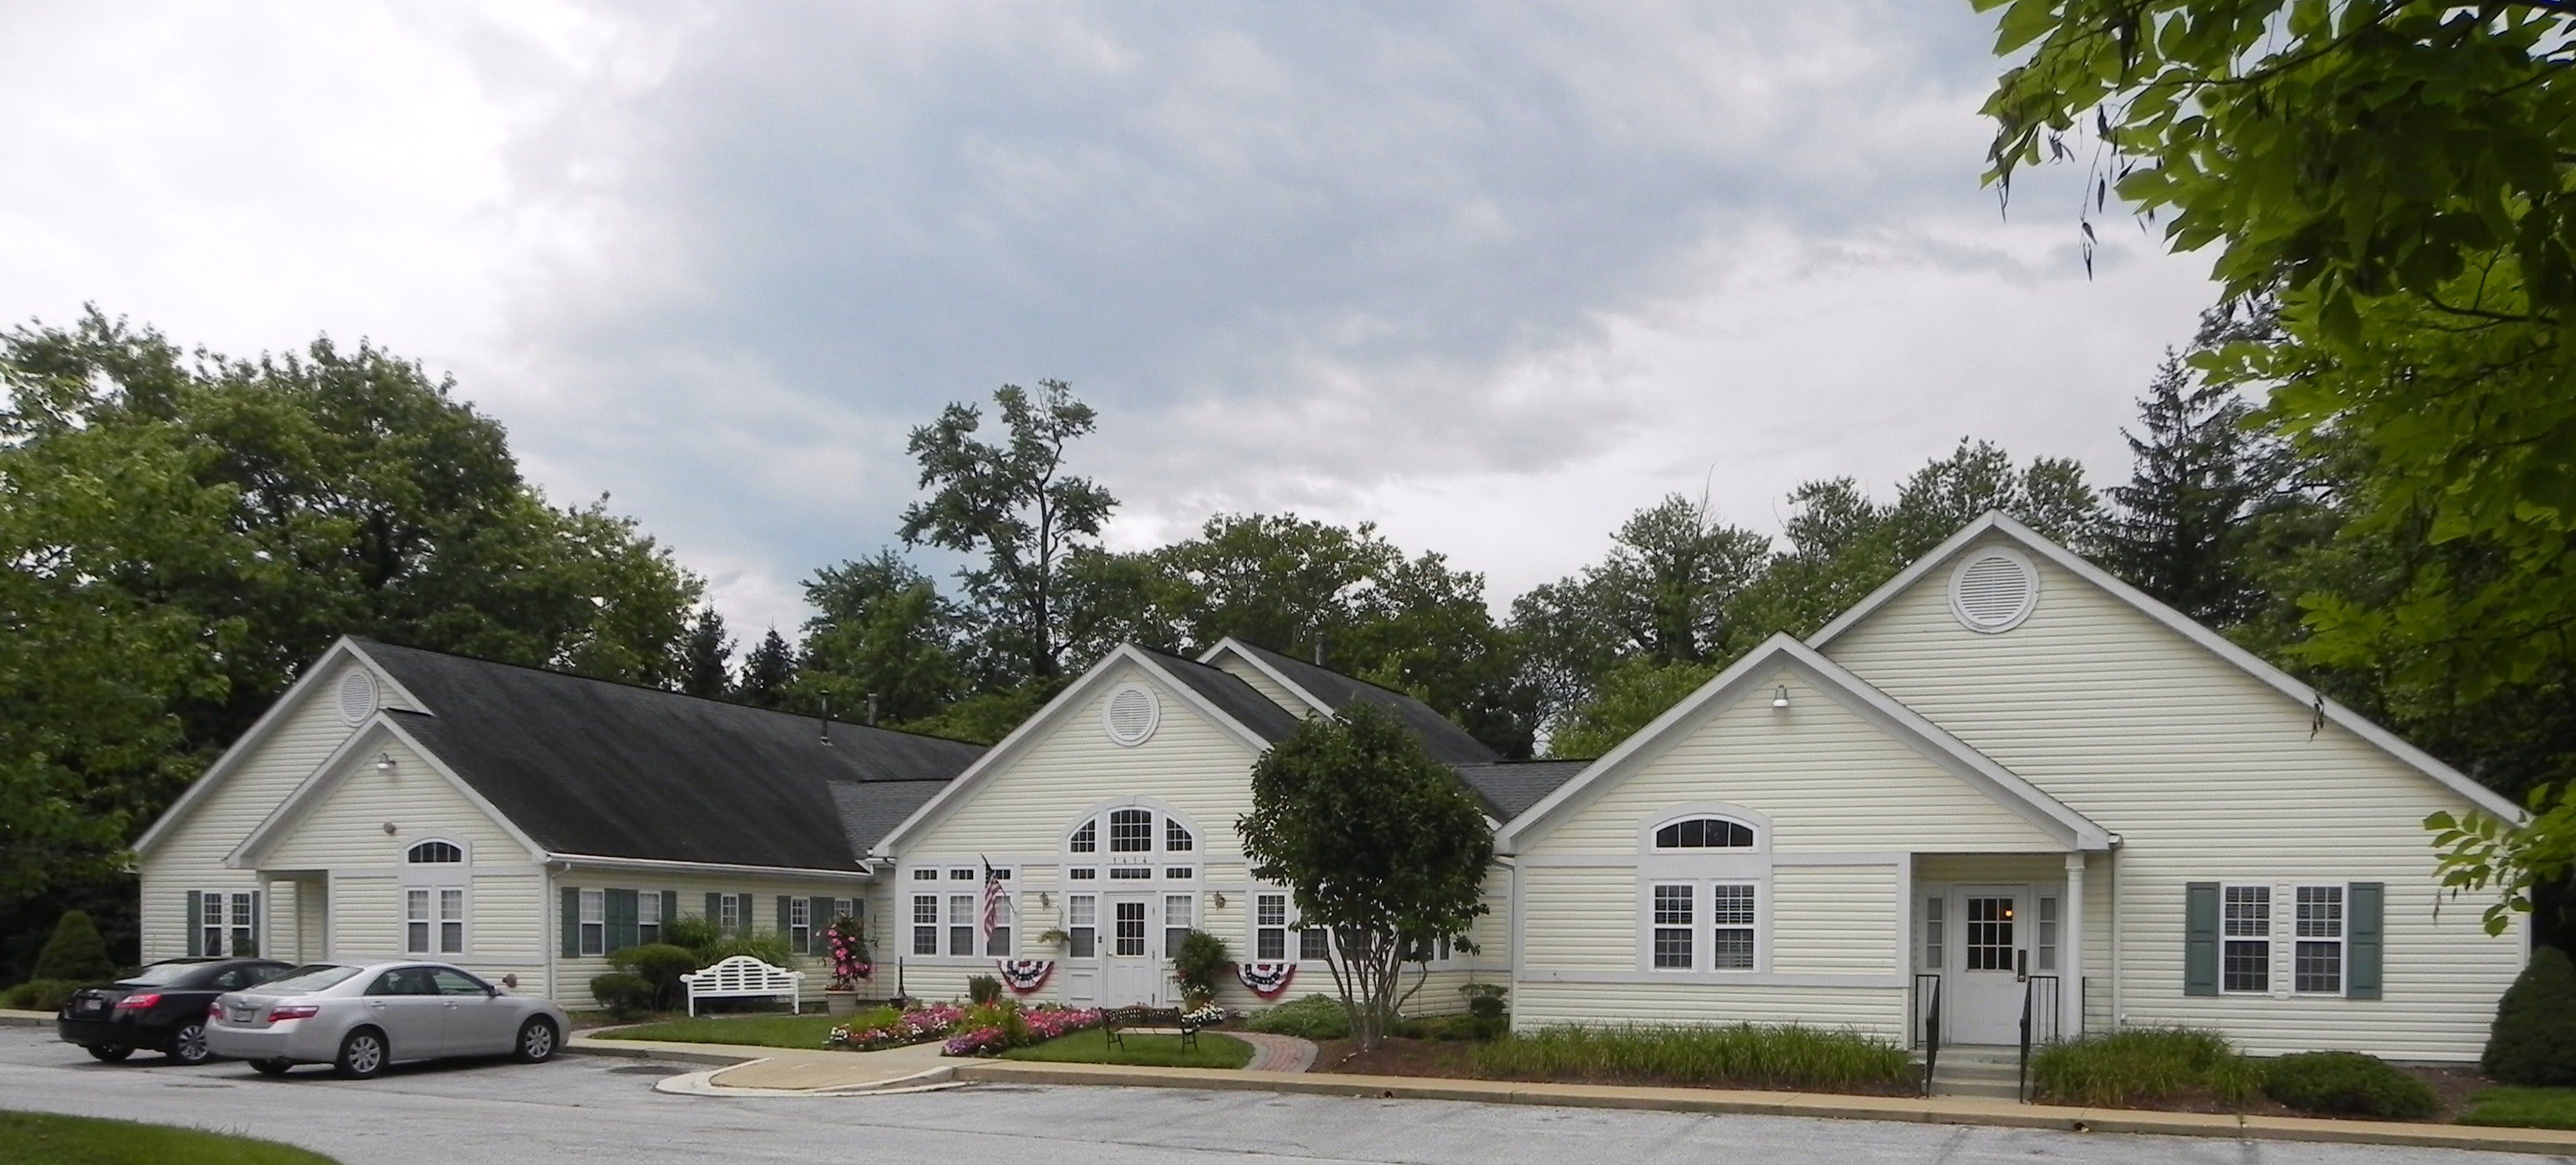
point(361, 1017)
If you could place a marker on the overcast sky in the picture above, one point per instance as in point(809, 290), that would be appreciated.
point(1490, 277)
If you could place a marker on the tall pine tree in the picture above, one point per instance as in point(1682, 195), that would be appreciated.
point(2186, 520)
point(767, 672)
point(706, 655)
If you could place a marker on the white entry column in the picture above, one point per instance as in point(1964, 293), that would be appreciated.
point(2070, 987)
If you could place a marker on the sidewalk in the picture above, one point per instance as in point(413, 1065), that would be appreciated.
point(749, 1070)
point(1945, 1110)
point(10, 1017)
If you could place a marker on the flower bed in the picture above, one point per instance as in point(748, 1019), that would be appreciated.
point(920, 1025)
point(999, 1027)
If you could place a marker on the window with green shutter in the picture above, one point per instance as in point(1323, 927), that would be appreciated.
point(2200, 939)
point(2364, 924)
point(569, 919)
point(622, 920)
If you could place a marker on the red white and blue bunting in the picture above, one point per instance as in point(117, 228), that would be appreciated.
point(1267, 980)
point(1025, 976)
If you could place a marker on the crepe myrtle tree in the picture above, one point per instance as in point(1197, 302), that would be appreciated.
point(1378, 843)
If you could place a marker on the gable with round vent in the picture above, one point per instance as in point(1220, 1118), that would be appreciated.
point(1131, 714)
point(357, 695)
point(1993, 590)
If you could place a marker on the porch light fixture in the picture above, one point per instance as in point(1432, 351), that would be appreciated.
point(1781, 698)
point(384, 762)
point(389, 829)
point(1217, 900)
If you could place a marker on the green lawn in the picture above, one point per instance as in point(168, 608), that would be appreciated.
point(2535, 1108)
point(1151, 1051)
point(769, 1031)
point(34, 1138)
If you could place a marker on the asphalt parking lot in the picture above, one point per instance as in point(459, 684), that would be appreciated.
point(584, 1109)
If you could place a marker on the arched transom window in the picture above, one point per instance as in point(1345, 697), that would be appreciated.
point(434, 853)
point(1704, 833)
point(1131, 843)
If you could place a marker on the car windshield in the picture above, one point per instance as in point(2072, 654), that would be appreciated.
point(307, 978)
point(160, 974)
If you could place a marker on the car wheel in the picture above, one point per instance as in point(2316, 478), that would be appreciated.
point(536, 1042)
point(270, 1067)
point(108, 1053)
point(362, 1054)
point(188, 1045)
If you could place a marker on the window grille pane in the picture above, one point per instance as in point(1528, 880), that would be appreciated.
point(1130, 873)
point(1933, 923)
point(1082, 914)
point(1731, 948)
point(1673, 948)
point(1270, 910)
point(1990, 934)
point(1314, 943)
point(925, 924)
point(1672, 906)
point(1131, 831)
point(1176, 839)
point(2320, 912)
point(2249, 911)
point(2318, 967)
point(1086, 839)
point(1083, 874)
point(416, 922)
point(1127, 935)
point(1731, 905)
point(961, 924)
point(2246, 966)
point(2046, 955)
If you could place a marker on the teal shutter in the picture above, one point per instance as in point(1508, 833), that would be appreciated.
point(715, 910)
point(571, 922)
point(670, 910)
point(742, 910)
point(196, 925)
point(621, 919)
point(786, 930)
point(2365, 934)
point(818, 912)
point(2200, 939)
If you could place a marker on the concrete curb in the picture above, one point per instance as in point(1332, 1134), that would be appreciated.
point(15, 1018)
point(1962, 1111)
point(581, 1047)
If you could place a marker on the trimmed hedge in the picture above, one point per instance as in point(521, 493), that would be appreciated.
point(1311, 1017)
point(2347, 1084)
point(76, 951)
point(40, 994)
point(2533, 1042)
point(658, 964)
point(622, 993)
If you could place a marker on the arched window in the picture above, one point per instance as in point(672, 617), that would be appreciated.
point(429, 853)
point(1704, 833)
point(1131, 831)
point(1176, 836)
point(1086, 839)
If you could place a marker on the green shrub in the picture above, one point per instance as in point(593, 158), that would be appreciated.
point(1467, 1026)
point(76, 951)
point(1484, 1000)
point(2142, 1066)
point(2347, 1084)
point(621, 993)
point(767, 948)
point(658, 964)
point(1202, 957)
point(697, 935)
point(984, 990)
point(1312, 1017)
point(2534, 1039)
point(1739, 1055)
point(42, 994)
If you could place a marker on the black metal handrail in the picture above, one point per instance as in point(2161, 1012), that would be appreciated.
point(1927, 1003)
point(2039, 1012)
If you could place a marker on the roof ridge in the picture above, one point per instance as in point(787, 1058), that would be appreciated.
point(365, 643)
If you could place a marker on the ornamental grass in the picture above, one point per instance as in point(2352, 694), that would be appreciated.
point(2143, 1066)
point(1740, 1055)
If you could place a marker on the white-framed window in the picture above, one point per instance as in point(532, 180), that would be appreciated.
point(416, 920)
point(842, 908)
point(1131, 873)
point(210, 923)
point(434, 920)
point(1131, 831)
point(1269, 927)
point(1082, 925)
point(594, 921)
point(800, 926)
point(227, 923)
point(925, 874)
point(998, 944)
point(2245, 948)
point(729, 913)
point(1935, 921)
point(1127, 928)
point(1176, 837)
point(961, 924)
point(1177, 912)
point(1083, 874)
point(2043, 955)
point(648, 917)
point(451, 920)
point(1704, 833)
point(1673, 927)
point(1180, 873)
point(925, 924)
point(435, 852)
point(1733, 914)
point(1314, 943)
point(2317, 960)
point(961, 873)
point(1086, 839)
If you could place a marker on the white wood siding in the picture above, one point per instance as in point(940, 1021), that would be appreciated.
point(2209, 775)
point(345, 827)
point(191, 855)
point(1261, 682)
point(573, 974)
point(1834, 920)
point(1829, 779)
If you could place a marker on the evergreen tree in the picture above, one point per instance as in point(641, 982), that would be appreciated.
point(881, 630)
point(76, 952)
point(2186, 520)
point(767, 672)
point(706, 655)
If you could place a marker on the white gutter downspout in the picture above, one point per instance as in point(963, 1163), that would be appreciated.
point(2119, 977)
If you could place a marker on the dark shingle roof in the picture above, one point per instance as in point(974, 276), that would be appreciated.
point(588, 766)
point(1228, 692)
point(1446, 742)
point(1508, 788)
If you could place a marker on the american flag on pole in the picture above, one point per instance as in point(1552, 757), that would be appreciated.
point(995, 909)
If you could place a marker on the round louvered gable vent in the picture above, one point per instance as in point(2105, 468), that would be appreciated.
point(1131, 715)
point(357, 696)
point(1994, 591)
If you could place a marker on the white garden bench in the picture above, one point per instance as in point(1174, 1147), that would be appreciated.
point(745, 977)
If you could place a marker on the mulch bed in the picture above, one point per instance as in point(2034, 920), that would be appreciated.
point(2452, 1088)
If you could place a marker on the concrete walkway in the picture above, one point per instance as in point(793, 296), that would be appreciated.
point(750, 1070)
point(11, 1017)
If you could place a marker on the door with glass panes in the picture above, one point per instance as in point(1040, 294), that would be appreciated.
point(1988, 963)
point(1131, 971)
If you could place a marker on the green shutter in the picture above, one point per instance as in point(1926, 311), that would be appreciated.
point(620, 919)
point(571, 922)
point(743, 912)
point(2364, 903)
point(818, 912)
point(2200, 939)
point(715, 909)
point(786, 931)
point(670, 910)
point(196, 928)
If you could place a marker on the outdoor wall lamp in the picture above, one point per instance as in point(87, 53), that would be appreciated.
point(384, 762)
point(1217, 900)
point(1781, 699)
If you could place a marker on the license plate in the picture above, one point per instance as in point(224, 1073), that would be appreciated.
point(89, 1006)
point(245, 1014)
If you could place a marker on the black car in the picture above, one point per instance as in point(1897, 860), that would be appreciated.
point(161, 1007)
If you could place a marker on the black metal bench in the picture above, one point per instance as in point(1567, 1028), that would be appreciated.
point(1114, 1018)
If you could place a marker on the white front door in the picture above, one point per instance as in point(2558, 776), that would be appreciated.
point(1130, 974)
point(1982, 997)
